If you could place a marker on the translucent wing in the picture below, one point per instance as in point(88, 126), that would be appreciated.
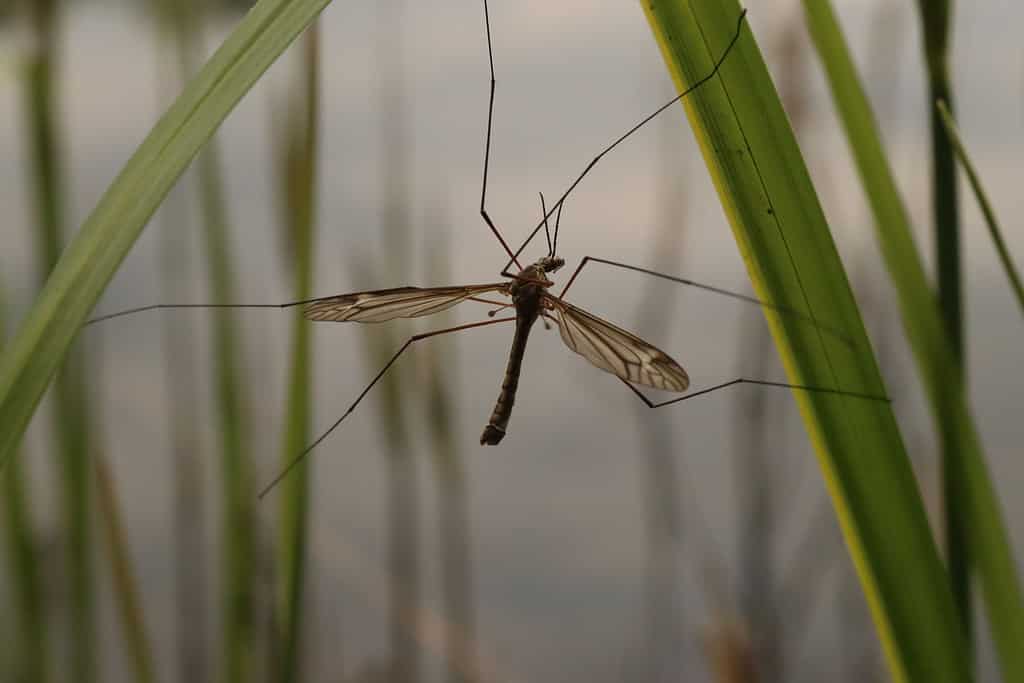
point(388, 304)
point(617, 351)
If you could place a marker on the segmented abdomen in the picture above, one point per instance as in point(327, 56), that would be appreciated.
point(494, 432)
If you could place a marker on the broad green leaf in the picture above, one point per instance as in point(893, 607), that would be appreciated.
point(778, 223)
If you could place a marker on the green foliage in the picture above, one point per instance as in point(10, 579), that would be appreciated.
point(779, 226)
point(31, 664)
point(89, 262)
point(983, 203)
point(935, 19)
point(126, 591)
point(937, 362)
point(768, 196)
point(72, 419)
point(298, 180)
point(93, 256)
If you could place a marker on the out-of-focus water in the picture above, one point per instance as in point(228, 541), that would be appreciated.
point(557, 508)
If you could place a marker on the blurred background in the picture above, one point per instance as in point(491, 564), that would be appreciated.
point(601, 541)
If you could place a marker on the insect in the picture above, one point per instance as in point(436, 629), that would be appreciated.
point(528, 291)
point(605, 345)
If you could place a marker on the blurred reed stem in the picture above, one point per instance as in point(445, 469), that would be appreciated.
point(31, 663)
point(297, 161)
point(461, 656)
point(936, 26)
point(237, 532)
point(730, 657)
point(402, 499)
point(72, 421)
point(126, 591)
point(181, 378)
point(984, 204)
point(239, 496)
point(402, 503)
point(758, 453)
point(125, 587)
point(664, 628)
point(76, 434)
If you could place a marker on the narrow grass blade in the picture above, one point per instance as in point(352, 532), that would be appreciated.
point(778, 223)
point(298, 181)
point(72, 421)
point(986, 206)
point(935, 19)
point(93, 256)
point(29, 614)
point(935, 357)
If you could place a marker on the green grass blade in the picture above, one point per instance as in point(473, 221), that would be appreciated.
point(237, 521)
point(936, 360)
point(986, 206)
point(935, 19)
point(91, 259)
point(29, 614)
point(778, 223)
point(72, 421)
point(298, 180)
point(193, 645)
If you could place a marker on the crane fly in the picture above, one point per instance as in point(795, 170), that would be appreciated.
point(605, 345)
point(602, 343)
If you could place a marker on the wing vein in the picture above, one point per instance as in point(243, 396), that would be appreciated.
point(400, 302)
point(615, 350)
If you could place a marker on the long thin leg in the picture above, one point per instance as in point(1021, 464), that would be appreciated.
point(709, 288)
point(487, 148)
point(760, 382)
point(740, 380)
point(364, 392)
point(622, 138)
point(156, 307)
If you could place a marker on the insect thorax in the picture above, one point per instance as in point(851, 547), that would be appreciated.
point(529, 278)
point(537, 272)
